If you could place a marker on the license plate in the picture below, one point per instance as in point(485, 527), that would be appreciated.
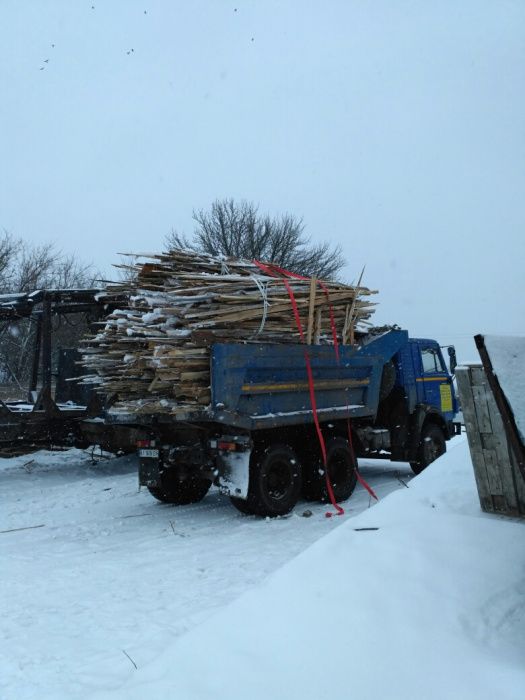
point(152, 454)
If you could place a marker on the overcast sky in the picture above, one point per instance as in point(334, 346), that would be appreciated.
point(395, 128)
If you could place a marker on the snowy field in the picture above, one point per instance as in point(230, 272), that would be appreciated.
point(430, 605)
point(107, 571)
point(208, 603)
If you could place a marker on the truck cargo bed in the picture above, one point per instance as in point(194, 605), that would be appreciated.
point(256, 386)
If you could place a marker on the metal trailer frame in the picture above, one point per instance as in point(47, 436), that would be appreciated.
point(41, 419)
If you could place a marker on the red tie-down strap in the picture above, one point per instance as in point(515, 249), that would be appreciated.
point(330, 490)
point(275, 271)
point(359, 477)
point(281, 273)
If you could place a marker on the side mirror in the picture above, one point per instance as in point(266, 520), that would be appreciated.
point(452, 358)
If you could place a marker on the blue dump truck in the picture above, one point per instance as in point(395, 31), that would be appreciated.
point(387, 396)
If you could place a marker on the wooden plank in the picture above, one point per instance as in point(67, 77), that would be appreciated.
point(509, 424)
point(317, 329)
point(519, 483)
point(351, 320)
point(182, 303)
point(498, 444)
point(482, 410)
point(500, 491)
point(464, 380)
point(346, 326)
point(493, 473)
point(311, 310)
point(478, 376)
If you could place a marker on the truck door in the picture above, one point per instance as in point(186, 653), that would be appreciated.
point(436, 380)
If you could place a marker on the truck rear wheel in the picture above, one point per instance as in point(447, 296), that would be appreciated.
point(275, 482)
point(242, 505)
point(341, 464)
point(431, 446)
point(172, 490)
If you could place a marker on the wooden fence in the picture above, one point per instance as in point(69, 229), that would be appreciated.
point(501, 487)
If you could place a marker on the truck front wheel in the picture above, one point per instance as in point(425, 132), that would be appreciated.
point(431, 446)
point(172, 490)
point(275, 482)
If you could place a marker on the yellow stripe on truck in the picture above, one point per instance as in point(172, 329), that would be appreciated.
point(298, 386)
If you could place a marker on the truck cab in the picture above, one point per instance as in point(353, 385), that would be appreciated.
point(421, 369)
point(420, 407)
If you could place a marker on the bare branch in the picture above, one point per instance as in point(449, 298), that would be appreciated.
point(25, 267)
point(236, 229)
point(9, 248)
point(174, 239)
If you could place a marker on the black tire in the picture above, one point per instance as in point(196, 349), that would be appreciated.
point(275, 482)
point(241, 505)
point(341, 464)
point(431, 446)
point(180, 493)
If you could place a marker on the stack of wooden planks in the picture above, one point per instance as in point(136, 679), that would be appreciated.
point(154, 353)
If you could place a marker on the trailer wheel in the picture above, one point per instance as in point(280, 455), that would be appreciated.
point(431, 446)
point(180, 493)
point(341, 464)
point(275, 482)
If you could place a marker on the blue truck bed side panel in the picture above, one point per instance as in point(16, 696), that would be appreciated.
point(262, 385)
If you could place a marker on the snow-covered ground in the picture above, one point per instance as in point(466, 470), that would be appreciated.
point(208, 603)
point(107, 571)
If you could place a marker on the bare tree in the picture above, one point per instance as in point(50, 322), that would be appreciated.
point(34, 267)
point(8, 251)
point(237, 229)
point(25, 268)
point(70, 273)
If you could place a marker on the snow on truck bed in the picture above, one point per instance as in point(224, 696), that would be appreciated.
point(212, 604)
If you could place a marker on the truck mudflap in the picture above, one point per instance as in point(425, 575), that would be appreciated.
point(187, 461)
point(233, 465)
point(149, 466)
point(454, 427)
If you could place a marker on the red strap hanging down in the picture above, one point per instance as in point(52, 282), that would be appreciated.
point(336, 349)
point(274, 271)
point(332, 319)
point(359, 477)
point(331, 496)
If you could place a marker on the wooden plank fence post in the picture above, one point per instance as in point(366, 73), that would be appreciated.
point(501, 488)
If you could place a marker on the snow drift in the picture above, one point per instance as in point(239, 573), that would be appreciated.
point(431, 604)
